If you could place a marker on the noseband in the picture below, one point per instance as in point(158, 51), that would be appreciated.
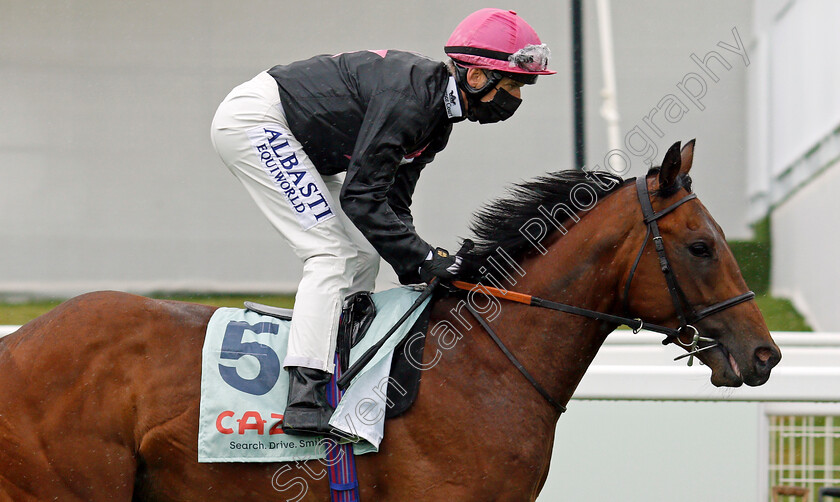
point(686, 314)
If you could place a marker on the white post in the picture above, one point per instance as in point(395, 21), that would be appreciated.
point(609, 107)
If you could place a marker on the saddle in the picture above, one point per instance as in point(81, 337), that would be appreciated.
point(357, 314)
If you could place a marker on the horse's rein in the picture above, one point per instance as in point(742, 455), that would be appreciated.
point(677, 296)
point(534, 301)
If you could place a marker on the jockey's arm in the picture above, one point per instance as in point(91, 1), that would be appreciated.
point(365, 200)
point(402, 191)
point(365, 197)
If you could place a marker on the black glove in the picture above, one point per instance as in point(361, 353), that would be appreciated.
point(439, 263)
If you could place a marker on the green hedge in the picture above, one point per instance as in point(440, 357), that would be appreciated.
point(754, 257)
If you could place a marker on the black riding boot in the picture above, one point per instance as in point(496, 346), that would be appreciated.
point(307, 411)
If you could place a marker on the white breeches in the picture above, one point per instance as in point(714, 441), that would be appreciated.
point(251, 134)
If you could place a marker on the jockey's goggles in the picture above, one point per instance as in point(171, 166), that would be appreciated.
point(531, 58)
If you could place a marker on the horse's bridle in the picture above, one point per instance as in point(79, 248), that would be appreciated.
point(687, 317)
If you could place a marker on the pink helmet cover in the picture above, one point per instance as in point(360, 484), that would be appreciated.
point(500, 40)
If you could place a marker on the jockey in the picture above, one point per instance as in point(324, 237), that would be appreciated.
point(330, 149)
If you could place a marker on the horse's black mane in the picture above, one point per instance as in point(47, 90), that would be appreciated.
point(498, 224)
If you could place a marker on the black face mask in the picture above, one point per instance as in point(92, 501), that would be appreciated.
point(501, 107)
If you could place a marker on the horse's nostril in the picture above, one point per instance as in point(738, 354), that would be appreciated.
point(765, 356)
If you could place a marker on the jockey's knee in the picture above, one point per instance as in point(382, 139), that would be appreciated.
point(367, 268)
point(331, 272)
point(367, 260)
point(346, 272)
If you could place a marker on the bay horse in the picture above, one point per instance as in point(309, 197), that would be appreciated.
point(99, 398)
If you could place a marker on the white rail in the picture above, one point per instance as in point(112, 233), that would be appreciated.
point(639, 367)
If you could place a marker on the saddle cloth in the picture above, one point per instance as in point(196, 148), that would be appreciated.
point(244, 387)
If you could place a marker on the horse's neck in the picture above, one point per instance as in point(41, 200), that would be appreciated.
point(584, 268)
point(587, 266)
point(476, 393)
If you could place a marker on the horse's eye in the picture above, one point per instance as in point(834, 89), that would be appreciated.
point(700, 249)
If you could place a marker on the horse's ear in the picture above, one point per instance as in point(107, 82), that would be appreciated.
point(687, 156)
point(670, 166)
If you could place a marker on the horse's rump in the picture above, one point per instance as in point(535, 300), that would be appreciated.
point(89, 380)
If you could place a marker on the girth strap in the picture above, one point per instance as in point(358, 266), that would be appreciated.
point(341, 462)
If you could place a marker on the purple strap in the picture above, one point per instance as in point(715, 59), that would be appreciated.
point(341, 463)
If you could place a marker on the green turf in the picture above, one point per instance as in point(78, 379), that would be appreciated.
point(286, 301)
point(22, 312)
